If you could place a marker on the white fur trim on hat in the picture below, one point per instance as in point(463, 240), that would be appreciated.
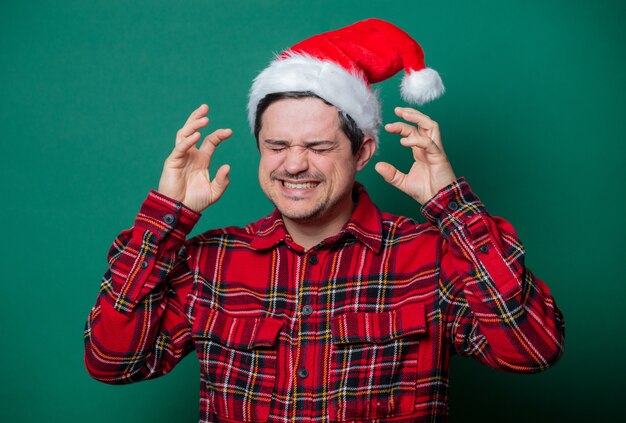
point(299, 72)
point(422, 86)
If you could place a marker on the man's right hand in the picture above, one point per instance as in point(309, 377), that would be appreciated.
point(185, 174)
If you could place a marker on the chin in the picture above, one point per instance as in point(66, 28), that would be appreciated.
point(300, 214)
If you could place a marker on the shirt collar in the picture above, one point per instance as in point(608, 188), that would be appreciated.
point(365, 225)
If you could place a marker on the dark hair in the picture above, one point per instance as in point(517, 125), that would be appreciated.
point(347, 124)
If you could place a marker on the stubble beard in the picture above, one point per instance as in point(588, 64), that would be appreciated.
point(304, 215)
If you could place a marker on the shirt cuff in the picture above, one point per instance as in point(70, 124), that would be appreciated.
point(161, 216)
point(453, 206)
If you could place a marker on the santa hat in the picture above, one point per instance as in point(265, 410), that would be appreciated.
point(340, 65)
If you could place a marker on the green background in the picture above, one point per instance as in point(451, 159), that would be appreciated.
point(92, 93)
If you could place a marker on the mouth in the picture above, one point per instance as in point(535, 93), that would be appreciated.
point(300, 185)
point(298, 189)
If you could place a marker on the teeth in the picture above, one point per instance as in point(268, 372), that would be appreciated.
point(305, 185)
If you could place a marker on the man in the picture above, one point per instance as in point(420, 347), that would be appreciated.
point(328, 309)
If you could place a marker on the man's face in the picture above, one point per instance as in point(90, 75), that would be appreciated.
point(307, 168)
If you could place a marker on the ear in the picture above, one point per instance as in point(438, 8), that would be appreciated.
point(365, 153)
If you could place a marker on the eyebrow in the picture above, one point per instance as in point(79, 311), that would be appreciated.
point(308, 144)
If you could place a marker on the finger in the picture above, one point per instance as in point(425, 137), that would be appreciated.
point(401, 128)
point(184, 144)
point(191, 126)
point(419, 141)
point(390, 174)
point(214, 139)
point(426, 126)
point(415, 116)
point(196, 120)
point(198, 113)
point(412, 137)
point(221, 181)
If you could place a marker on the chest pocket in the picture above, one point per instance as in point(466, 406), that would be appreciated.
point(238, 363)
point(374, 363)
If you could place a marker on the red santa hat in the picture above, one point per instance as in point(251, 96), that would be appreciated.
point(339, 66)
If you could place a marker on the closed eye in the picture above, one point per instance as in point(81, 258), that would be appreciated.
point(320, 147)
point(275, 145)
point(317, 147)
point(320, 150)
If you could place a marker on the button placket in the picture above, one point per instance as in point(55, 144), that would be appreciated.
point(313, 260)
point(307, 321)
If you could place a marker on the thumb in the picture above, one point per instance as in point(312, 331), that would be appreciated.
point(390, 174)
point(220, 182)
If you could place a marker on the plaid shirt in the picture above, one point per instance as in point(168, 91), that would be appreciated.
point(359, 328)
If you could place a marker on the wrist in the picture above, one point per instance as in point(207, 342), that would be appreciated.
point(162, 215)
point(453, 205)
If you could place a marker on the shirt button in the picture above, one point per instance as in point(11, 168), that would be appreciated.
point(484, 249)
point(144, 264)
point(303, 373)
point(453, 205)
point(307, 310)
point(169, 218)
point(313, 259)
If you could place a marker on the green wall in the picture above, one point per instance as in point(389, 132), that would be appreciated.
point(92, 93)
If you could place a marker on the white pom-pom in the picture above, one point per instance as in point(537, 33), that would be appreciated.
point(422, 86)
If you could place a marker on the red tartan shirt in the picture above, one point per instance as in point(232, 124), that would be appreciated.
point(359, 328)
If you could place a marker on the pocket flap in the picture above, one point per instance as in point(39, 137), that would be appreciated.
point(380, 327)
point(238, 332)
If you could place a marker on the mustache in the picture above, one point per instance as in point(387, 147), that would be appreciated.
point(297, 176)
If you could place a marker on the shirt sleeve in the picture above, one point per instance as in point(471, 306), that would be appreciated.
point(138, 328)
point(495, 309)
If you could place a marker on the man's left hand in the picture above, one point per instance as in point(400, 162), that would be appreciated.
point(431, 170)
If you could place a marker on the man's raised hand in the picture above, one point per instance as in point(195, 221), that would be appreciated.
point(431, 170)
point(185, 174)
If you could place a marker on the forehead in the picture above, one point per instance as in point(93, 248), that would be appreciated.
point(305, 118)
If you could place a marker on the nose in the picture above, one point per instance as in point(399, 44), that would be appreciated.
point(296, 160)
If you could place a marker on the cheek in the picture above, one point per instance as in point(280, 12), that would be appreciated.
point(337, 170)
point(326, 165)
point(267, 165)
